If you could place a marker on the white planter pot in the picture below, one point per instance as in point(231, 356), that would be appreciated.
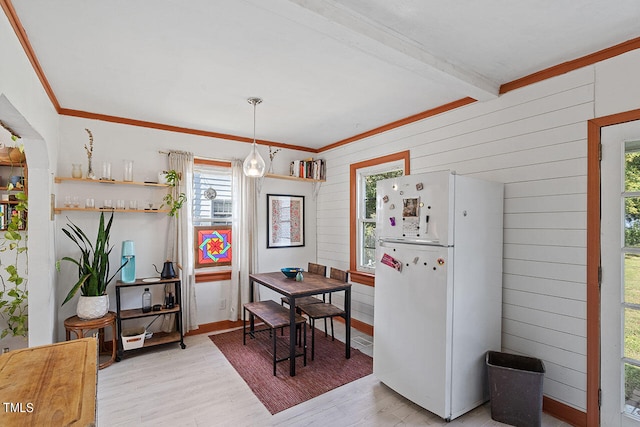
point(92, 307)
point(162, 178)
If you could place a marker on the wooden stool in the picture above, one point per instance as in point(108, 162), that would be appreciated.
point(80, 327)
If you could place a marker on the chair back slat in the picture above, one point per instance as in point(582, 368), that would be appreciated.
point(317, 269)
point(338, 274)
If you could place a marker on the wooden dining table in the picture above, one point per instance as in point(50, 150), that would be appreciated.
point(50, 385)
point(312, 284)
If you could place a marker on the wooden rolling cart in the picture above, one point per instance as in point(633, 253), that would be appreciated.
point(158, 338)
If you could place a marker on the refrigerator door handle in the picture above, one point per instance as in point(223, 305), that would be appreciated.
point(423, 242)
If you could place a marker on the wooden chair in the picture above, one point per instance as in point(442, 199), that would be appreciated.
point(324, 310)
point(311, 268)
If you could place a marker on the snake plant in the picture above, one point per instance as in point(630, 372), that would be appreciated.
point(93, 263)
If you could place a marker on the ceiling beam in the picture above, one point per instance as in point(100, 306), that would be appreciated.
point(334, 20)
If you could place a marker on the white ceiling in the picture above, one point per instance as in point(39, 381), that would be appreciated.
point(327, 70)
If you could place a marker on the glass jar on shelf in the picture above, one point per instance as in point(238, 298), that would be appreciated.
point(76, 170)
point(128, 170)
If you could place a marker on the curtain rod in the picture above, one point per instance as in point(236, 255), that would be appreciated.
point(172, 151)
point(202, 158)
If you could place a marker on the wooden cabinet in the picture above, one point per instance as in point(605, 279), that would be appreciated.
point(137, 313)
point(97, 183)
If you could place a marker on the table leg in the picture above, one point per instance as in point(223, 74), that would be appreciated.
point(292, 336)
point(251, 320)
point(347, 309)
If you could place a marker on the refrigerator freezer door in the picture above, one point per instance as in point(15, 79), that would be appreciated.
point(416, 207)
point(412, 324)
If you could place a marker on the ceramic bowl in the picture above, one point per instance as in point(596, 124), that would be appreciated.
point(16, 179)
point(290, 272)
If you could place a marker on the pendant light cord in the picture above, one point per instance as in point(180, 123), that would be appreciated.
point(254, 102)
point(254, 124)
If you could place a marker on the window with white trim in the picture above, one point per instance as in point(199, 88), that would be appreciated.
point(367, 178)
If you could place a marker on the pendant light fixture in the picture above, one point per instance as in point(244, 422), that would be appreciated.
point(254, 165)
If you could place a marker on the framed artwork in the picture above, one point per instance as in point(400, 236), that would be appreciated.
point(285, 221)
point(213, 246)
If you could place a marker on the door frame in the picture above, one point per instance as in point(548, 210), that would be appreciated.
point(594, 127)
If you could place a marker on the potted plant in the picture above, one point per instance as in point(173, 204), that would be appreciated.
point(93, 269)
point(173, 199)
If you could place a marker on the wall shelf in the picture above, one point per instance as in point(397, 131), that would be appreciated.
point(60, 179)
point(316, 182)
point(71, 208)
point(293, 178)
point(8, 200)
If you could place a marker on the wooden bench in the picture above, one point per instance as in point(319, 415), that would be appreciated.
point(274, 316)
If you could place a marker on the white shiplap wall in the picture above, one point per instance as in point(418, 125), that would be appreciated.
point(533, 140)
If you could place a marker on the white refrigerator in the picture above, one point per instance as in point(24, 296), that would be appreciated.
point(438, 288)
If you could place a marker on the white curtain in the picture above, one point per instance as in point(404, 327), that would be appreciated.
point(245, 247)
point(180, 240)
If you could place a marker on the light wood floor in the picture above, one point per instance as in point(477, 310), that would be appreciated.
point(198, 387)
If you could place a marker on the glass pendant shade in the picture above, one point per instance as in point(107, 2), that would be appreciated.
point(254, 165)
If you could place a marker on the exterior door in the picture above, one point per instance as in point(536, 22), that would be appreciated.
point(620, 286)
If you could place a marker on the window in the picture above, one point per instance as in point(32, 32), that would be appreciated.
point(212, 213)
point(364, 176)
point(367, 179)
point(631, 284)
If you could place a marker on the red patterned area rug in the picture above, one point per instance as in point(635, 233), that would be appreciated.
point(254, 363)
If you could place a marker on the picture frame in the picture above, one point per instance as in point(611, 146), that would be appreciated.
point(212, 246)
point(285, 221)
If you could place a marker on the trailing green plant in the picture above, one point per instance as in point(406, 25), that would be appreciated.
point(93, 263)
point(14, 294)
point(173, 199)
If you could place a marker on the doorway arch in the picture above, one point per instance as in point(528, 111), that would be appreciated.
point(41, 300)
